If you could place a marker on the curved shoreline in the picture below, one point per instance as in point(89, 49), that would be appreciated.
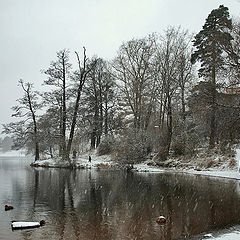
point(107, 164)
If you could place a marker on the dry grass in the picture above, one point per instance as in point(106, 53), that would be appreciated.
point(213, 159)
point(104, 166)
point(232, 163)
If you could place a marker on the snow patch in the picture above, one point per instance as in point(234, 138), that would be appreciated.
point(208, 235)
point(229, 236)
point(143, 167)
point(216, 173)
point(237, 158)
point(81, 162)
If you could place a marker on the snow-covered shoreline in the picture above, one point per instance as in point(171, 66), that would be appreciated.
point(81, 162)
point(227, 173)
point(105, 162)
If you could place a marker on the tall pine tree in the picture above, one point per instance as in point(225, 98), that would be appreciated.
point(212, 44)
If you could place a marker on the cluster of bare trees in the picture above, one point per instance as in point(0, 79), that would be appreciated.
point(76, 107)
point(153, 77)
point(148, 96)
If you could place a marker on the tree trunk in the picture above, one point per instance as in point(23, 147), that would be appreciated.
point(51, 152)
point(93, 139)
point(60, 131)
point(98, 140)
point(148, 116)
point(163, 112)
point(74, 120)
point(64, 114)
point(106, 119)
point(100, 125)
point(183, 104)
point(83, 74)
point(36, 151)
point(212, 129)
point(35, 126)
point(212, 136)
point(169, 125)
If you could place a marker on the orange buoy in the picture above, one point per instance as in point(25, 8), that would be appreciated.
point(161, 220)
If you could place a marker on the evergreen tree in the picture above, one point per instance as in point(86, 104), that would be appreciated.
point(212, 44)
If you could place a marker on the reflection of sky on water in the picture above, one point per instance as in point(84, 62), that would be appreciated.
point(100, 205)
point(11, 174)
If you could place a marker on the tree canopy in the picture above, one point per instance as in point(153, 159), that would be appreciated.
point(212, 42)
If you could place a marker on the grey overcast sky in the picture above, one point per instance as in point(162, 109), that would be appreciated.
point(32, 31)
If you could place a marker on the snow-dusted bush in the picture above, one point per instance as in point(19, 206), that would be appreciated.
point(161, 155)
point(106, 146)
point(192, 143)
point(133, 147)
point(187, 137)
point(178, 147)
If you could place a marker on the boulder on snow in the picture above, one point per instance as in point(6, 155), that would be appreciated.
point(208, 235)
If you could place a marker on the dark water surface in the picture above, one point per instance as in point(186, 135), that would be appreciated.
point(100, 204)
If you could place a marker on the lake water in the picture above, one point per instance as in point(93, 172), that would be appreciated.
point(102, 205)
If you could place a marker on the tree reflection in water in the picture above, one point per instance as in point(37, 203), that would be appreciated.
point(84, 204)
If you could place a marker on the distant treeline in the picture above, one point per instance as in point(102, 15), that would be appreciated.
point(6, 144)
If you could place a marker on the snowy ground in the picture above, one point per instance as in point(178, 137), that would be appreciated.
point(216, 165)
point(229, 236)
point(231, 233)
point(233, 174)
point(81, 162)
point(106, 162)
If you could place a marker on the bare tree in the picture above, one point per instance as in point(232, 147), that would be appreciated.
point(99, 101)
point(133, 74)
point(173, 71)
point(80, 78)
point(67, 95)
point(186, 76)
point(58, 73)
point(26, 109)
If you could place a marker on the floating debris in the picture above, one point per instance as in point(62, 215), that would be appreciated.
point(22, 225)
point(8, 207)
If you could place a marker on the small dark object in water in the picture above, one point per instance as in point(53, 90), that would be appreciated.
point(42, 222)
point(89, 159)
point(24, 225)
point(7, 207)
point(161, 220)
